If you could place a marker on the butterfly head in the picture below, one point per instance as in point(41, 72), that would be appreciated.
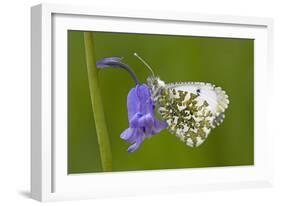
point(155, 82)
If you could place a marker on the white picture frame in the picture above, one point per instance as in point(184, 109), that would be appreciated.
point(49, 178)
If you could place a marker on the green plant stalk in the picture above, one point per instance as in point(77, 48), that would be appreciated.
point(101, 129)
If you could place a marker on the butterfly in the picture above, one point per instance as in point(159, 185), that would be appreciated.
point(191, 109)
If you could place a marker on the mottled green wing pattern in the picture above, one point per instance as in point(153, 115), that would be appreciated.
point(192, 109)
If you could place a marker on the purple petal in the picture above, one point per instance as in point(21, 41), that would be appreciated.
point(136, 145)
point(145, 121)
point(129, 135)
point(134, 121)
point(132, 103)
point(132, 134)
point(143, 93)
point(107, 62)
point(155, 128)
point(144, 96)
point(139, 120)
point(159, 125)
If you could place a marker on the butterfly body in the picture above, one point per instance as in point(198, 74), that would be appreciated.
point(191, 109)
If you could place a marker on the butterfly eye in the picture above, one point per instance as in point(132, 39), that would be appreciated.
point(198, 91)
point(155, 82)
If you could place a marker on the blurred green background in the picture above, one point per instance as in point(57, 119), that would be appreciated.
point(225, 62)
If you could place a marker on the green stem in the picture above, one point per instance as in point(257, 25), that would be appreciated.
point(102, 133)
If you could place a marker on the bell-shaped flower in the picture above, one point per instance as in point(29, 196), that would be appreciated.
point(142, 121)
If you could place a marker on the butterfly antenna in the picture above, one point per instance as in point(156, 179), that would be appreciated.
point(144, 62)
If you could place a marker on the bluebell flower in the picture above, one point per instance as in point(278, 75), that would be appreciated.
point(142, 121)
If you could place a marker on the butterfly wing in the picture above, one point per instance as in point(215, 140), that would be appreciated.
point(192, 109)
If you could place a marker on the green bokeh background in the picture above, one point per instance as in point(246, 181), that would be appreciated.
point(225, 62)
